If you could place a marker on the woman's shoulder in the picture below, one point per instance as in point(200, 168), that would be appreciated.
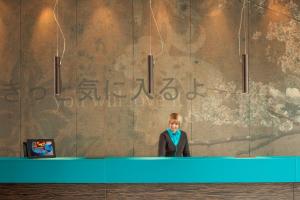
point(183, 132)
point(164, 132)
point(163, 135)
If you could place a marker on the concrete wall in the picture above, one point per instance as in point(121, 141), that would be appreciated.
point(103, 110)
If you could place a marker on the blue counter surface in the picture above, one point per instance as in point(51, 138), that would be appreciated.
point(150, 170)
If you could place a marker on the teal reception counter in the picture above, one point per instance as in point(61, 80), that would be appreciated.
point(150, 170)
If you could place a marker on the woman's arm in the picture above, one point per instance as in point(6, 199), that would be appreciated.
point(162, 145)
point(186, 150)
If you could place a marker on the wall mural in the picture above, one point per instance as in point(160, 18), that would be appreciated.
point(105, 110)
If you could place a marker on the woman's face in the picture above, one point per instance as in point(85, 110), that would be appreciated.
point(173, 125)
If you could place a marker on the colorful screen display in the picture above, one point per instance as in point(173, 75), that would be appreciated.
point(40, 148)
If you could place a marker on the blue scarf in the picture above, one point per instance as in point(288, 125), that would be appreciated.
point(175, 136)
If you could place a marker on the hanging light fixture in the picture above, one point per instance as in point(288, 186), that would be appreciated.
point(150, 74)
point(150, 57)
point(57, 58)
point(245, 73)
point(57, 76)
point(244, 56)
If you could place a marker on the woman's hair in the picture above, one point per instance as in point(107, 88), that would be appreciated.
point(175, 116)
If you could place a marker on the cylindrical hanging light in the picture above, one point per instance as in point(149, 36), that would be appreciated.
point(150, 55)
point(57, 76)
point(150, 74)
point(245, 73)
point(244, 59)
point(58, 59)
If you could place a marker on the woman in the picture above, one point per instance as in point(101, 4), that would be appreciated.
point(173, 142)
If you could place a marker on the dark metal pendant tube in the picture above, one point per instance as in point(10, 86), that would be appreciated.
point(245, 74)
point(150, 74)
point(57, 76)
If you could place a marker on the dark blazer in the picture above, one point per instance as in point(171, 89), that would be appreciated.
point(167, 148)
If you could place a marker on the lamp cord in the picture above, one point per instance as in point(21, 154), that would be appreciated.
point(61, 31)
point(161, 39)
point(240, 27)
